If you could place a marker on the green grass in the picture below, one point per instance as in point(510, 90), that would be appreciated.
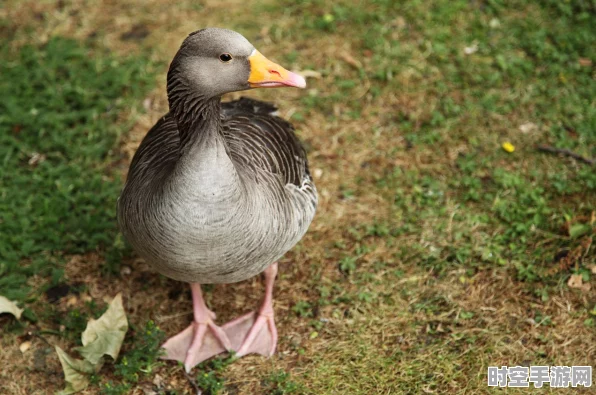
point(58, 144)
point(485, 211)
point(140, 361)
point(526, 68)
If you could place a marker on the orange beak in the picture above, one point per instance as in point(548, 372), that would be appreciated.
point(266, 74)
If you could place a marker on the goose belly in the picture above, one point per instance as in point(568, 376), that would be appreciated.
point(212, 243)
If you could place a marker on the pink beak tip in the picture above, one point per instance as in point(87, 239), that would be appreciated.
point(297, 80)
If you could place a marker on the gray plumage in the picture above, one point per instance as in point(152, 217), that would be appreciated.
point(216, 192)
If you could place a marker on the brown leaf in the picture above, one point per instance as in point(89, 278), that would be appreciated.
point(576, 281)
point(25, 346)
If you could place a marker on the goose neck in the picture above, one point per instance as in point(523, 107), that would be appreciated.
point(198, 121)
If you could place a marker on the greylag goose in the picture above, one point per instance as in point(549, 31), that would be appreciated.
point(218, 192)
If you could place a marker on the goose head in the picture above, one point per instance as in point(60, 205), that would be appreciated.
point(214, 61)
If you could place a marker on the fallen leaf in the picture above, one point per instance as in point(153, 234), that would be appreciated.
point(575, 281)
point(592, 269)
point(24, 346)
point(125, 271)
point(158, 381)
point(148, 390)
point(75, 372)
point(72, 301)
point(8, 306)
point(36, 158)
point(528, 127)
point(473, 48)
point(105, 335)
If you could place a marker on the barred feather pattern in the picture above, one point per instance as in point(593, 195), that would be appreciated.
point(221, 200)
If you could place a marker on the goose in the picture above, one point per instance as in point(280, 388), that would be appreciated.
point(218, 192)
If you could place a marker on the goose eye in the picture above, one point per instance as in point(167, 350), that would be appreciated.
point(225, 57)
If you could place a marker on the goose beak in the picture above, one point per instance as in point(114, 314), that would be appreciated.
point(266, 74)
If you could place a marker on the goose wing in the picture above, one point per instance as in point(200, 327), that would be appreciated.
point(256, 140)
point(158, 152)
point(259, 140)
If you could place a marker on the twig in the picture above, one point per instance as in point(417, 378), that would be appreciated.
point(162, 318)
point(192, 382)
point(566, 152)
point(39, 336)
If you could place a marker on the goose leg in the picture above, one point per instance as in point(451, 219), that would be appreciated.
point(201, 340)
point(256, 332)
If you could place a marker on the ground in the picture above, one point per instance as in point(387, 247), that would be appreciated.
point(437, 250)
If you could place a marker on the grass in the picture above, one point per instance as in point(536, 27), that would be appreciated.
point(58, 136)
point(435, 253)
point(138, 362)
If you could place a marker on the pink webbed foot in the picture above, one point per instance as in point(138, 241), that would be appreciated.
point(195, 344)
point(201, 340)
point(249, 335)
point(256, 332)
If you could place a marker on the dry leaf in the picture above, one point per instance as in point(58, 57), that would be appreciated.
point(24, 346)
point(8, 306)
point(592, 269)
point(36, 158)
point(75, 372)
point(148, 390)
point(473, 48)
point(105, 335)
point(158, 381)
point(72, 301)
point(528, 127)
point(576, 281)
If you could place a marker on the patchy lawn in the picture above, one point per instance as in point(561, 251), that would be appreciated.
point(435, 252)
